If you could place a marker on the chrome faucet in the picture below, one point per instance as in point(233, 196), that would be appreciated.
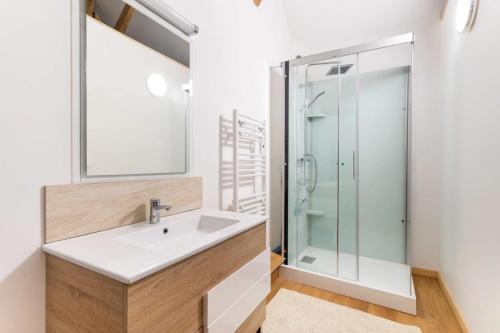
point(154, 210)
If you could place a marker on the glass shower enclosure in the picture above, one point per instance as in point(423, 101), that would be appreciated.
point(346, 164)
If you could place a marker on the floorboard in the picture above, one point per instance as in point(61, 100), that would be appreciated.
point(434, 314)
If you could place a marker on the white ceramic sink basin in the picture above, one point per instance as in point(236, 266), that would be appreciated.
point(133, 252)
point(178, 234)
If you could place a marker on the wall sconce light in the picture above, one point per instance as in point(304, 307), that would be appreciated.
point(161, 9)
point(186, 87)
point(465, 15)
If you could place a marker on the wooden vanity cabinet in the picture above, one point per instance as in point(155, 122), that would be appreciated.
point(171, 300)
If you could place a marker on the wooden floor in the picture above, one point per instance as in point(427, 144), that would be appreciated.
point(434, 314)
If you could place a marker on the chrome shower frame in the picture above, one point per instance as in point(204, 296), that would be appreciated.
point(324, 58)
point(380, 44)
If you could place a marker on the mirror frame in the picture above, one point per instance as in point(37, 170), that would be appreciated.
point(78, 94)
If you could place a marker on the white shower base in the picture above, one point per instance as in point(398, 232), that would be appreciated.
point(380, 282)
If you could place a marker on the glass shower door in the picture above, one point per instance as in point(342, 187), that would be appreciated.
point(321, 123)
point(322, 186)
point(348, 178)
point(383, 102)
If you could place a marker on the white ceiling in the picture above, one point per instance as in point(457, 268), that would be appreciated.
point(320, 25)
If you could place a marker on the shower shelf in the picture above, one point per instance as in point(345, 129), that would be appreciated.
point(314, 116)
point(315, 212)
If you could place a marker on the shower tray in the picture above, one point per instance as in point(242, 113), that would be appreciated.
point(368, 291)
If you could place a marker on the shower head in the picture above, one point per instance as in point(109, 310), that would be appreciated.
point(334, 70)
point(315, 99)
point(322, 63)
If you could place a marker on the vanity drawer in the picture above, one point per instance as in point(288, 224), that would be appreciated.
point(231, 302)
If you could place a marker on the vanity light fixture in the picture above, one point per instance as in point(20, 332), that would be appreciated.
point(157, 85)
point(465, 15)
point(160, 8)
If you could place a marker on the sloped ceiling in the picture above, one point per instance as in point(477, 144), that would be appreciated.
point(320, 25)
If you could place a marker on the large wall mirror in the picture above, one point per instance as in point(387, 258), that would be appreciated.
point(135, 91)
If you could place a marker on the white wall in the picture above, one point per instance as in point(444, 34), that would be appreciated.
point(470, 229)
point(35, 148)
point(345, 23)
point(236, 45)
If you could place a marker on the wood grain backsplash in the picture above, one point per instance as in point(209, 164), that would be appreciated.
point(80, 209)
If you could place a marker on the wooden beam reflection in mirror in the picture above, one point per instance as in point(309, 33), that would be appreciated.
point(124, 19)
point(91, 8)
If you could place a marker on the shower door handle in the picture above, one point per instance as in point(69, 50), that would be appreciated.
point(354, 164)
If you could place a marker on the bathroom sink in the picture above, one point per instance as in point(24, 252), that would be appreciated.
point(135, 251)
point(177, 234)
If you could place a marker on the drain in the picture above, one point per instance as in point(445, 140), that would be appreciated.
point(308, 259)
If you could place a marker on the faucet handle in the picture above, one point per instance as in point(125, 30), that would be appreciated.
point(154, 210)
point(156, 205)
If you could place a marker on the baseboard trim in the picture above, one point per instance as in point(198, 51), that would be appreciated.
point(425, 272)
point(446, 291)
point(454, 308)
